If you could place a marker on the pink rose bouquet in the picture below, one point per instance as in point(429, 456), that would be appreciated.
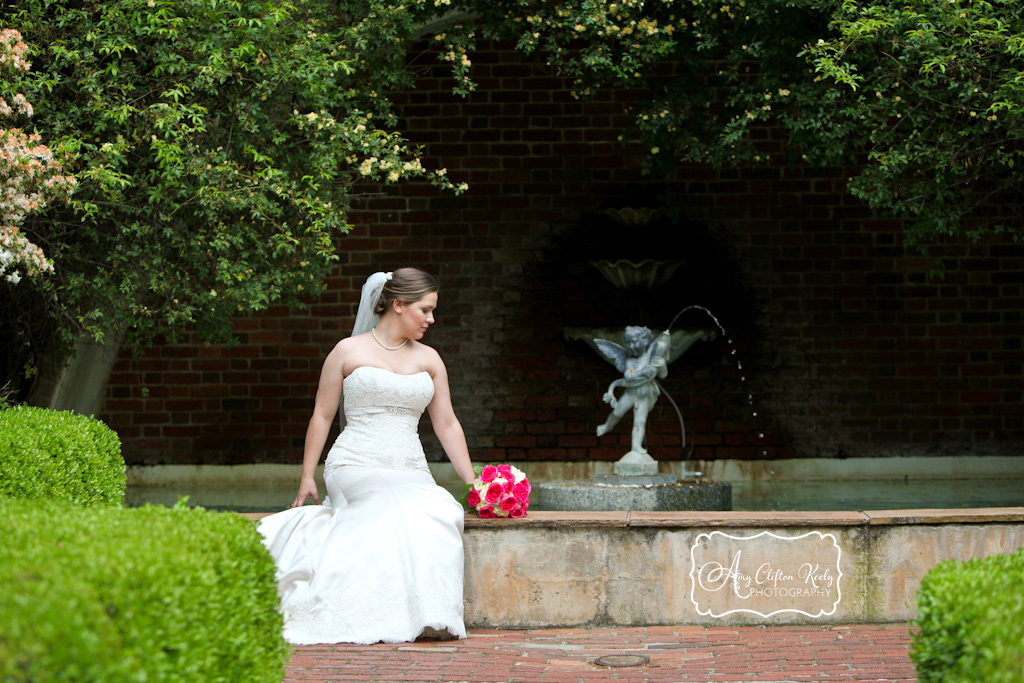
point(499, 491)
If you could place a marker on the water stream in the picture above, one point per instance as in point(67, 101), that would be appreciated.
point(739, 369)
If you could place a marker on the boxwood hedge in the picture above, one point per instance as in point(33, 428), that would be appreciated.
point(53, 455)
point(154, 594)
point(970, 624)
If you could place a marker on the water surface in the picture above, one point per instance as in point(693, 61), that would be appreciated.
point(901, 494)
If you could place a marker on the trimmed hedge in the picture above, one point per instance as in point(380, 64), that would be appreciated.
point(55, 456)
point(971, 621)
point(154, 594)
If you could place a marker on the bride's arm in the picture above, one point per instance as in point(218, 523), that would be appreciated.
point(328, 396)
point(447, 427)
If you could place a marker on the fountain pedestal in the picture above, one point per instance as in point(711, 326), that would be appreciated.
point(635, 492)
point(636, 464)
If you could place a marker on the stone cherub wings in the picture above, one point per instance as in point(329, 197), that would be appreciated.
point(616, 354)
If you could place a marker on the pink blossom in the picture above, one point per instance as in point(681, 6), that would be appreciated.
point(29, 176)
point(473, 498)
point(494, 493)
point(517, 513)
point(521, 491)
point(486, 513)
point(506, 471)
point(489, 473)
point(509, 503)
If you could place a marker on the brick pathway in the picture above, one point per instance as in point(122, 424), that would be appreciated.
point(754, 654)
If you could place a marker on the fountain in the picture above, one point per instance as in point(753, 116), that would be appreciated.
point(642, 358)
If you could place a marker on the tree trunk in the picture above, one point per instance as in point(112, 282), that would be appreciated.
point(77, 382)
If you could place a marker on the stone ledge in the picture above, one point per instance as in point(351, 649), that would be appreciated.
point(623, 519)
point(753, 518)
point(552, 518)
point(745, 519)
point(950, 516)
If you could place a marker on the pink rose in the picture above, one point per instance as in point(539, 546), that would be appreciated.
point(494, 493)
point(506, 471)
point(507, 486)
point(521, 491)
point(517, 513)
point(486, 512)
point(508, 504)
point(472, 498)
point(488, 474)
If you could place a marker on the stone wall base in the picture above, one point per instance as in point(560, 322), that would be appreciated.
point(567, 569)
point(555, 569)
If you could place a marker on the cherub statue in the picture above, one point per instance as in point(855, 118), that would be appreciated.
point(643, 360)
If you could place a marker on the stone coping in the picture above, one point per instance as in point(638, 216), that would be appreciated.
point(623, 519)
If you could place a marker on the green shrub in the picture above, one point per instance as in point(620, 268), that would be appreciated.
point(154, 594)
point(971, 621)
point(52, 455)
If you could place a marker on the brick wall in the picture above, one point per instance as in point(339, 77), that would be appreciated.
point(835, 337)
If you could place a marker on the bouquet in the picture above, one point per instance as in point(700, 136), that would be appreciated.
point(499, 491)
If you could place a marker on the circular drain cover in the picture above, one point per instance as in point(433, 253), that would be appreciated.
point(622, 660)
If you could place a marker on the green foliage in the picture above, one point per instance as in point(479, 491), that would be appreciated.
point(933, 94)
point(144, 594)
point(47, 455)
point(925, 98)
point(708, 72)
point(970, 624)
point(216, 144)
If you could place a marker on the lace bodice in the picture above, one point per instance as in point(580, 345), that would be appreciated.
point(382, 413)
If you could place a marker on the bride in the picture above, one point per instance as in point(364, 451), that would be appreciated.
point(381, 558)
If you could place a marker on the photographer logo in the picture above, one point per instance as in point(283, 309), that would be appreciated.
point(765, 574)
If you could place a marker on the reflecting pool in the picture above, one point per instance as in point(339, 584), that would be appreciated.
point(873, 494)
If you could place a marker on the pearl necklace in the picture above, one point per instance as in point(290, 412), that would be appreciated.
point(373, 331)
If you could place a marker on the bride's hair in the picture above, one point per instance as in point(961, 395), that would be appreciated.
point(407, 285)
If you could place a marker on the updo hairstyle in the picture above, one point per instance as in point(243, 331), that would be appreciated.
point(407, 286)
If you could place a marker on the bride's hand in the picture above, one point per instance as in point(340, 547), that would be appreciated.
point(307, 488)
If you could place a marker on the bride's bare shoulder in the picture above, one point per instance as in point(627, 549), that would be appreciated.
point(351, 343)
point(346, 348)
point(429, 358)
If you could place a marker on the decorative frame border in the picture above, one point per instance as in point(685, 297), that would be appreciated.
point(709, 611)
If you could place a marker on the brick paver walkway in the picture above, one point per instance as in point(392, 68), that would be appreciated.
point(773, 654)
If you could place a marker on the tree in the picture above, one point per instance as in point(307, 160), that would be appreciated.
point(217, 142)
point(933, 94)
point(923, 97)
point(216, 145)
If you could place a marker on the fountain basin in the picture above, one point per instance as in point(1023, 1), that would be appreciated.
point(757, 485)
point(574, 569)
point(633, 568)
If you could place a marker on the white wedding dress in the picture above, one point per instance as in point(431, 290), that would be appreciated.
point(381, 560)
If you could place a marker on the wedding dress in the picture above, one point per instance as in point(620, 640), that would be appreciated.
point(381, 559)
